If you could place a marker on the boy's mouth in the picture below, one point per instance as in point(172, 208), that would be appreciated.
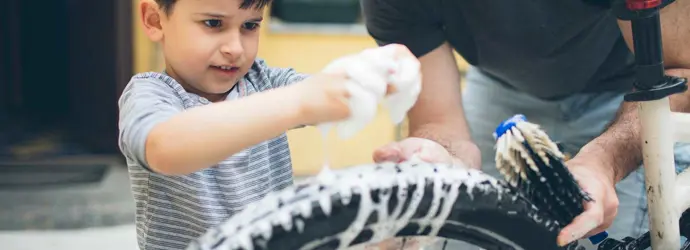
point(227, 69)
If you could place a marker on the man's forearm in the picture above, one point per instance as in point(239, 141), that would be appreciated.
point(438, 114)
point(620, 146)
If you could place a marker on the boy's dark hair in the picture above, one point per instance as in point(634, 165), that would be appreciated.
point(167, 5)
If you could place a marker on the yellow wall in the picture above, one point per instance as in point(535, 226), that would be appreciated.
point(280, 50)
point(309, 53)
point(315, 51)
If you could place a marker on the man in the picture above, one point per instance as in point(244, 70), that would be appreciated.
point(566, 65)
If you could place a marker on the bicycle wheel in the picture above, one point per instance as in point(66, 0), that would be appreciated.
point(370, 203)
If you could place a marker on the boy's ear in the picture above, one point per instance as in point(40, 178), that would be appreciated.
point(151, 18)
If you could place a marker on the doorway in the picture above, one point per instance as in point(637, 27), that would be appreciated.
point(63, 66)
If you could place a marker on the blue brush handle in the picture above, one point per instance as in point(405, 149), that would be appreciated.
point(593, 242)
point(510, 123)
point(598, 238)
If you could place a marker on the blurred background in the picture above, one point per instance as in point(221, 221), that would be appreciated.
point(63, 182)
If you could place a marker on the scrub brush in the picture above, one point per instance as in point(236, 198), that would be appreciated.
point(533, 164)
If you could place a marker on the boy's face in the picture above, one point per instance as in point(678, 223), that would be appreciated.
point(209, 44)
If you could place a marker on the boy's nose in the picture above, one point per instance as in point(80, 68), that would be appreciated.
point(232, 48)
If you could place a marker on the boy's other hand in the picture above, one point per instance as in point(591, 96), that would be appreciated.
point(390, 72)
point(323, 98)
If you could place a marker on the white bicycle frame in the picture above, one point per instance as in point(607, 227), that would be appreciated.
point(667, 193)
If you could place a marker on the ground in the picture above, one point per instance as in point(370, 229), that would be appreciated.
point(109, 238)
point(76, 217)
point(80, 217)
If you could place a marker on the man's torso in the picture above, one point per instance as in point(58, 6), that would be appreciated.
point(549, 49)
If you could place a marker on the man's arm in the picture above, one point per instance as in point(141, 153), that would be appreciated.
point(438, 113)
point(618, 151)
point(619, 146)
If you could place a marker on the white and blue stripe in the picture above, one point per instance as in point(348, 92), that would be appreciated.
point(173, 210)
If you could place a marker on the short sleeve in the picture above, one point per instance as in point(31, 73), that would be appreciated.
point(273, 77)
point(143, 104)
point(280, 77)
point(412, 23)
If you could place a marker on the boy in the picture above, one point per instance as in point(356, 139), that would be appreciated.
point(207, 136)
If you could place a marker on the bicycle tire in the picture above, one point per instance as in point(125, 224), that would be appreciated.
point(373, 202)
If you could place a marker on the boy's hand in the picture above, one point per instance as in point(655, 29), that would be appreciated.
point(323, 98)
point(375, 73)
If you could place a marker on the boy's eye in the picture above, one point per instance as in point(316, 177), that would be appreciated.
point(250, 26)
point(213, 23)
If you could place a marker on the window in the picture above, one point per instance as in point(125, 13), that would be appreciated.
point(317, 11)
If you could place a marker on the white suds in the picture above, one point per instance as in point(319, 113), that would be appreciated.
point(291, 208)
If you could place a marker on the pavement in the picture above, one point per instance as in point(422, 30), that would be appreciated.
point(76, 217)
point(79, 217)
point(121, 237)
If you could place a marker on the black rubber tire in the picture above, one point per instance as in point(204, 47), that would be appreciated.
point(319, 212)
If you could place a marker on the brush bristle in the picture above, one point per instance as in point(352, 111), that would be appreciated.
point(532, 163)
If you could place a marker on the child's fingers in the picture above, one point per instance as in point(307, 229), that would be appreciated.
point(367, 76)
point(409, 73)
point(391, 89)
point(363, 106)
point(400, 102)
point(381, 58)
point(399, 50)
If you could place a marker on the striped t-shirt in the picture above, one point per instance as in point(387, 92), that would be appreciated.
point(173, 210)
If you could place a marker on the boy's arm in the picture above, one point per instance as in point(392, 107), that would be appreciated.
point(142, 105)
point(281, 77)
point(169, 140)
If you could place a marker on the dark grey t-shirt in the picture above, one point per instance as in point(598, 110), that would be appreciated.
point(550, 49)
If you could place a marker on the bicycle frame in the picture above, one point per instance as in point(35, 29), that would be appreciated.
point(666, 193)
point(682, 120)
point(660, 127)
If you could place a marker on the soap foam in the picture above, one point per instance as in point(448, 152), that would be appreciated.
point(281, 208)
point(370, 73)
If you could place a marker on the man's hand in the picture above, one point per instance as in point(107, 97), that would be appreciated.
point(598, 214)
point(413, 147)
point(607, 160)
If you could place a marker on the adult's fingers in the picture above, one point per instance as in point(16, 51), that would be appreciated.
point(388, 153)
point(583, 224)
